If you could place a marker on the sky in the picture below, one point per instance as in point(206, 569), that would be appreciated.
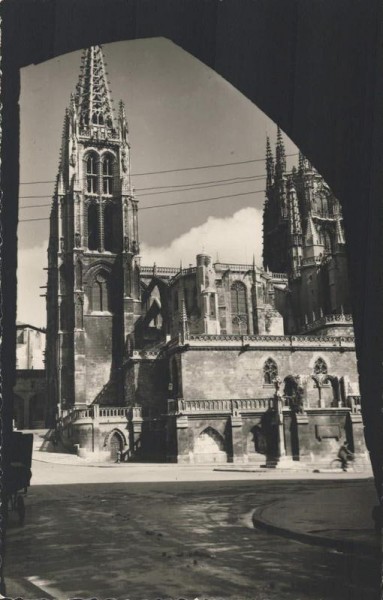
point(182, 116)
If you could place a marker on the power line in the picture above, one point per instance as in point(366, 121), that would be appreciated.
point(169, 190)
point(213, 166)
point(170, 203)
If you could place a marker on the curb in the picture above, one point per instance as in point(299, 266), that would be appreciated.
point(344, 546)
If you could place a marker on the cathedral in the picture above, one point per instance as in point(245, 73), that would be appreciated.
point(215, 363)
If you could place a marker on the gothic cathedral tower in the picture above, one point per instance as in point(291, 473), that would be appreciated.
point(93, 297)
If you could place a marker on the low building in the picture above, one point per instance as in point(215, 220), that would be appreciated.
point(30, 391)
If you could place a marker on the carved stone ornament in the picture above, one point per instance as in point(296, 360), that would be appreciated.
point(124, 159)
point(73, 156)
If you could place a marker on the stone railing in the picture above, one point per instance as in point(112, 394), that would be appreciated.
point(95, 412)
point(338, 319)
point(219, 406)
point(112, 411)
point(170, 271)
point(259, 341)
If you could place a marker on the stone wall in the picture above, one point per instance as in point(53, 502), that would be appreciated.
point(232, 374)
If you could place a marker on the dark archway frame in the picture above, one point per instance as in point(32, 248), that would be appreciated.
point(314, 67)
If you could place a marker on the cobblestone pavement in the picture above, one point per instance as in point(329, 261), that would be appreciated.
point(175, 540)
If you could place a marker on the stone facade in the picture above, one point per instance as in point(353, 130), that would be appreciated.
point(211, 363)
point(30, 393)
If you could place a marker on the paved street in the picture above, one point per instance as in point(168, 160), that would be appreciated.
point(166, 539)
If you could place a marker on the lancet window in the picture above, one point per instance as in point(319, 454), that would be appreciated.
point(270, 371)
point(239, 308)
point(107, 175)
point(91, 174)
point(109, 242)
point(100, 293)
point(93, 226)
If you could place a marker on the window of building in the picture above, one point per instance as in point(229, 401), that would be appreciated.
point(320, 367)
point(239, 308)
point(91, 174)
point(270, 371)
point(93, 227)
point(100, 293)
point(107, 175)
point(109, 242)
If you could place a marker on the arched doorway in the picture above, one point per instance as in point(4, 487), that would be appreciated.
point(209, 447)
point(116, 445)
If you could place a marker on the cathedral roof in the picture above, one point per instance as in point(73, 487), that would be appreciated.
point(93, 99)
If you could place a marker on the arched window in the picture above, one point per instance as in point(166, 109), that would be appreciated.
point(270, 371)
point(100, 293)
point(79, 314)
point(91, 174)
point(93, 226)
point(238, 308)
point(320, 367)
point(78, 274)
point(107, 175)
point(109, 243)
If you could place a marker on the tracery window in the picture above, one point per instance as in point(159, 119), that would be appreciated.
point(100, 293)
point(108, 227)
point(93, 226)
point(320, 367)
point(107, 175)
point(270, 371)
point(91, 174)
point(239, 308)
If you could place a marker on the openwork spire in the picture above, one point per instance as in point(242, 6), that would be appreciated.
point(94, 105)
point(269, 165)
point(295, 228)
point(280, 155)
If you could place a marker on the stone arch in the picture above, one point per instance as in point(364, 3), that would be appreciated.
point(210, 447)
point(115, 441)
point(270, 370)
point(99, 291)
point(257, 440)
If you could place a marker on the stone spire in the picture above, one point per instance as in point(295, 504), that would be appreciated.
point(295, 228)
point(280, 156)
point(269, 165)
point(93, 100)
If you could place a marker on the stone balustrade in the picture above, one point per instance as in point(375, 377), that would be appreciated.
point(181, 406)
point(269, 341)
point(327, 320)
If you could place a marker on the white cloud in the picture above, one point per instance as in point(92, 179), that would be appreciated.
point(233, 239)
point(30, 276)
